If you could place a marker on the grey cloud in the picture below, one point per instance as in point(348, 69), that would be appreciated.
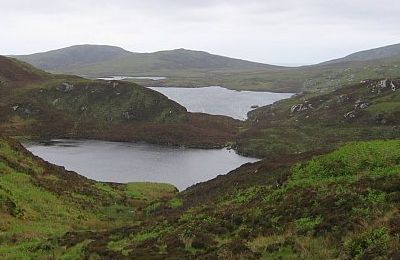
point(281, 31)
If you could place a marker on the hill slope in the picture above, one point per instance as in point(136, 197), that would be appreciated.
point(386, 52)
point(14, 71)
point(40, 202)
point(364, 111)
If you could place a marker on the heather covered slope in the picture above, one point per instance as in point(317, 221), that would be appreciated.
point(307, 122)
point(340, 205)
point(344, 204)
point(14, 71)
point(53, 106)
point(40, 202)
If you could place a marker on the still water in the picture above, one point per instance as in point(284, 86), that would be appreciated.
point(137, 162)
point(214, 100)
point(128, 77)
point(221, 101)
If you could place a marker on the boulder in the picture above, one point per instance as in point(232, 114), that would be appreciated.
point(361, 104)
point(393, 86)
point(350, 115)
point(66, 87)
point(301, 107)
point(342, 98)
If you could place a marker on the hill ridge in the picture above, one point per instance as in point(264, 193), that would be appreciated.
point(80, 59)
point(388, 51)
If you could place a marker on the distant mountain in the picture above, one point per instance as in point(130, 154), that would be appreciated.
point(74, 56)
point(385, 52)
point(100, 60)
point(188, 68)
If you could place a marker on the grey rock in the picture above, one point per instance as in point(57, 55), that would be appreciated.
point(379, 86)
point(393, 86)
point(342, 98)
point(361, 104)
point(127, 115)
point(55, 101)
point(301, 107)
point(350, 115)
point(66, 87)
point(84, 108)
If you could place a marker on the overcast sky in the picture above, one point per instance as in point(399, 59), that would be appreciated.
point(269, 31)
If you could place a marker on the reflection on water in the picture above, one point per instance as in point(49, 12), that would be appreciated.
point(137, 162)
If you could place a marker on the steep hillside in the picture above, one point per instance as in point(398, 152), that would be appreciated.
point(365, 111)
point(341, 205)
point(72, 107)
point(40, 202)
point(14, 71)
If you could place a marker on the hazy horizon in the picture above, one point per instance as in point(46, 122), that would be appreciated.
point(284, 32)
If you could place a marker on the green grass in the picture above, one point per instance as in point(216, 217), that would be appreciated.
point(150, 191)
point(321, 211)
point(175, 203)
point(39, 204)
point(384, 107)
point(363, 157)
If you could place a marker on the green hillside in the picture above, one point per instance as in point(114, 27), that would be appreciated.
point(340, 205)
point(39, 202)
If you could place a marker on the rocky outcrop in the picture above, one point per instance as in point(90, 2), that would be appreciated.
point(128, 115)
point(66, 87)
point(393, 86)
point(83, 108)
point(342, 99)
point(55, 101)
point(378, 87)
point(25, 109)
point(361, 104)
point(350, 115)
point(306, 105)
